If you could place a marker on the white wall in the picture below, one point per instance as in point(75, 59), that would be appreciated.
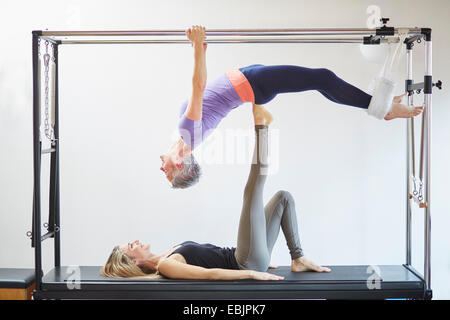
point(119, 107)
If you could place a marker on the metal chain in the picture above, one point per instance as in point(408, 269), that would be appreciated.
point(420, 196)
point(49, 133)
point(418, 191)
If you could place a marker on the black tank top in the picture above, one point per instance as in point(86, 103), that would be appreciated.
point(207, 255)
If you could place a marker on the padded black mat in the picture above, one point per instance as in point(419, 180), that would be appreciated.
point(16, 278)
point(337, 274)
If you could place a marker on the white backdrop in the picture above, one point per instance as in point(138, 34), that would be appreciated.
point(119, 107)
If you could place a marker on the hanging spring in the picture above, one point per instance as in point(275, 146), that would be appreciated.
point(48, 130)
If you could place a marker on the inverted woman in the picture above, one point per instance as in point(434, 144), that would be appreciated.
point(258, 231)
point(211, 102)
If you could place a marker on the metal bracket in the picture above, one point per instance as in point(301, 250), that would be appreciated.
point(418, 87)
point(372, 40)
point(410, 41)
point(385, 30)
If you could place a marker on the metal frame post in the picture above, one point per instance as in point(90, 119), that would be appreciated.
point(409, 151)
point(428, 86)
point(36, 234)
point(54, 185)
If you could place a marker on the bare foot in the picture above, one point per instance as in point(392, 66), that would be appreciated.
point(399, 110)
point(302, 264)
point(261, 115)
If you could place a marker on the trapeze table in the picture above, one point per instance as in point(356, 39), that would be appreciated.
point(343, 282)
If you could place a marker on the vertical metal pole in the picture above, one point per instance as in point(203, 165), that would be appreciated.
point(36, 162)
point(55, 158)
point(52, 187)
point(427, 103)
point(422, 146)
point(409, 146)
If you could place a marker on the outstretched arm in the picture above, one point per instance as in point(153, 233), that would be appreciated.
point(174, 269)
point(194, 109)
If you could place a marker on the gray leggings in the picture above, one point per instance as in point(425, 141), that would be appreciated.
point(259, 226)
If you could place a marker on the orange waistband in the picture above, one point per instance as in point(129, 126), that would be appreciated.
point(241, 85)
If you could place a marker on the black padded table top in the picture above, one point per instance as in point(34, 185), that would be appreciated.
point(338, 273)
point(16, 278)
point(341, 282)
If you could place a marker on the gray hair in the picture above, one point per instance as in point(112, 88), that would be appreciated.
point(188, 175)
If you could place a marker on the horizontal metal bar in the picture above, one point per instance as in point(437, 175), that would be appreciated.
point(48, 150)
point(230, 32)
point(50, 234)
point(218, 41)
point(50, 39)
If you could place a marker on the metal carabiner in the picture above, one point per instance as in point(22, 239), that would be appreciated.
point(46, 59)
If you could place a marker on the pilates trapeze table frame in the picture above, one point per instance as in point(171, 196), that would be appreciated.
point(398, 281)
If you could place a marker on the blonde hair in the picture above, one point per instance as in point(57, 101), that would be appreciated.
point(120, 265)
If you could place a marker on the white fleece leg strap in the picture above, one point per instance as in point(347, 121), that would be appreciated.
point(382, 97)
point(382, 88)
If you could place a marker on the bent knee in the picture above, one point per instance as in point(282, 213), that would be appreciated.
point(325, 77)
point(261, 267)
point(258, 262)
point(326, 73)
point(285, 195)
